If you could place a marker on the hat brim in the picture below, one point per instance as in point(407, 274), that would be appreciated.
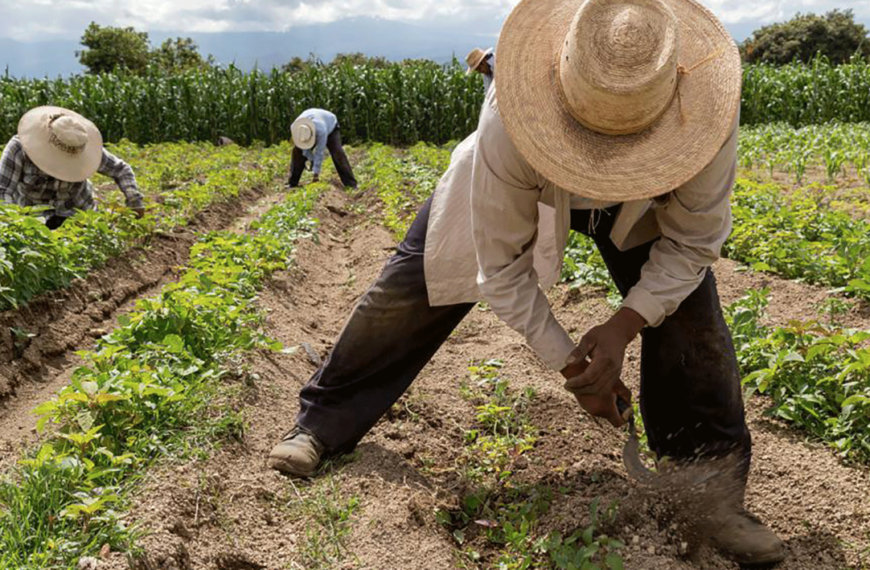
point(310, 124)
point(621, 168)
point(35, 139)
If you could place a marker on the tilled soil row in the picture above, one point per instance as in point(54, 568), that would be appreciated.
point(56, 325)
point(231, 512)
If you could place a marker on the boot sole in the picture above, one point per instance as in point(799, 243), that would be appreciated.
point(289, 468)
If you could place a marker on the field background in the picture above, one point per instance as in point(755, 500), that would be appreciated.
point(164, 355)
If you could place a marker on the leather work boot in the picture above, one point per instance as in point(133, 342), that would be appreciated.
point(745, 538)
point(298, 453)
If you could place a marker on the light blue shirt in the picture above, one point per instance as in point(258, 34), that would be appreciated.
point(324, 123)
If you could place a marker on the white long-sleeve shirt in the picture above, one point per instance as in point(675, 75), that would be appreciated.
point(498, 229)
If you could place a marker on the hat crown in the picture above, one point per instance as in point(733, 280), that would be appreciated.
point(618, 64)
point(68, 133)
point(304, 133)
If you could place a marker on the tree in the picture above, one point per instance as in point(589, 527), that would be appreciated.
point(835, 35)
point(357, 58)
point(179, 54)
point(109, 48)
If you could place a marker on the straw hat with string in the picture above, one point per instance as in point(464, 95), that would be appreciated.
point(617, 100)
point(474, 58)
point(61, 143)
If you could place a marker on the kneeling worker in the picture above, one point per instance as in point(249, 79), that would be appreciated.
point(314, 131)
point(49, 161)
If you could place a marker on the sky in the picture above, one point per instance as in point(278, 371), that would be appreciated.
point(44, 20)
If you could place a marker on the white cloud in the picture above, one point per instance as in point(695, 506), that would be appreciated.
point(33, 20)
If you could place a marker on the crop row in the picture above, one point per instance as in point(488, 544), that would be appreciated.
point(397, 104)
point(400, 104)
point(817, 374)
point(838, 150)
point(403, 180)
point(178, 180)
point(139, 394)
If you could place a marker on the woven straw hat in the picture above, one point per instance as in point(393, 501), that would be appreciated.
point(61, 143)
point(617, 100)
point(303, 133)
point(474, 58)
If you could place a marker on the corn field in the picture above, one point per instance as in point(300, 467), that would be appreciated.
point(400, 104)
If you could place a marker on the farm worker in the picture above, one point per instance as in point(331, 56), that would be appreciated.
point(313, 132)
point(619, 119)
point(49, 161)
point(482, 62)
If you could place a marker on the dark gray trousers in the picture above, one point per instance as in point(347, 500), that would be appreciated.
point(339, 160)
point(690, 386)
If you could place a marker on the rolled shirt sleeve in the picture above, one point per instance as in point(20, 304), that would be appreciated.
point(319, 146)
point(11, 169)
point(123, 175)
point(504, 213)
point(694, 224)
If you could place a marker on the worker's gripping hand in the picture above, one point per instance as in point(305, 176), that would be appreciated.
point(596, 382)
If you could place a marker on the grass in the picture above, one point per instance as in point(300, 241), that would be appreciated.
point(328, 517)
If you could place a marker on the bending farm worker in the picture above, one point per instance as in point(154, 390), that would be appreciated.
point(633, 144)
point(49, 161)
point(313, 132)
point(482, 62)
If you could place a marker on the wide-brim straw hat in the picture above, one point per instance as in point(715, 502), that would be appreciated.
point(474, 58)
point(61, 143)
point(303, 133)
point(617, 100)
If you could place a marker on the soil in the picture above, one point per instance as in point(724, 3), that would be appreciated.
point(60, 323)
point(229, 511)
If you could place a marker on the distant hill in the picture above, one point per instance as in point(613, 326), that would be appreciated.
point(372, 36)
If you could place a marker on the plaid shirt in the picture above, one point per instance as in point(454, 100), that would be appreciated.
point(23, 183)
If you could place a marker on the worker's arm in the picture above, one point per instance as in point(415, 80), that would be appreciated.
point(504, 211)
point(122, 174)
point(694, 223)
point(319, 147)
point(11, 169)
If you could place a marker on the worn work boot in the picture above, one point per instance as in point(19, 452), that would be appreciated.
point(745, 538)
point(298, 453)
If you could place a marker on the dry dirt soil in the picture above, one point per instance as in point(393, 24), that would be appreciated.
point(228, 511)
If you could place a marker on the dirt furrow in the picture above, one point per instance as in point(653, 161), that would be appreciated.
point(38, 342)
point(229, 511)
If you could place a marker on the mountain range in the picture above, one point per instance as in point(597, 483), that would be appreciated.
point(372, 36)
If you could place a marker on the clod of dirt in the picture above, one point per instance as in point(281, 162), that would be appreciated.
point(236, 561)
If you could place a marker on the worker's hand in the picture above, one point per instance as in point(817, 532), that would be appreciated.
point(596, 382)
point(315, 178)
point(140, 212)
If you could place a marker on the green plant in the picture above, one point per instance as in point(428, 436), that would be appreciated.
point(139, 392)
point(817, 376)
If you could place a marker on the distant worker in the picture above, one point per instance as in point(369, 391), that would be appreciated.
point(314, 131)
point(49, 161)
point(483, 62)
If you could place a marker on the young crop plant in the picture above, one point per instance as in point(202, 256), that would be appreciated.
point(138, 393)
point(817, 375)
point(797, 237)
point(180, 179)
point(500, 521)
point(837, 149)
